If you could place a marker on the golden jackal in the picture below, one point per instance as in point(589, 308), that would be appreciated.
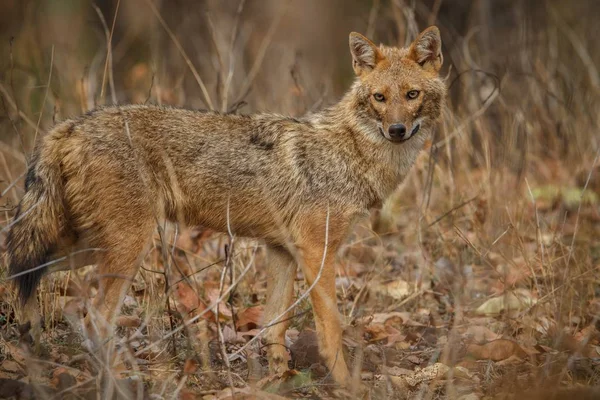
point(105, 178)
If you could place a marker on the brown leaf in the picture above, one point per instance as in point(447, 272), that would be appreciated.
point(189, 303)
point(230, 336)
point(11, 366)
point(186, 297)
point(61, 379)
point(250, 318)
point(482, 334)
point(16, 353)
point(496, 350)
point(129, 321)
point(397, 289)
point(429, 373)
point(213, 295)
point(190, 366)
point(186, 394)
point(414, 359)
point(376, 332)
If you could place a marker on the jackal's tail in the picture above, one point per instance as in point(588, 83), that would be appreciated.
point(38, 224)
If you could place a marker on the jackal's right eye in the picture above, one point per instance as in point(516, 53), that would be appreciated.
point(379, 97)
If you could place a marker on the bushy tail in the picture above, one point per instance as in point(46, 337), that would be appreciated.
point(37, 226)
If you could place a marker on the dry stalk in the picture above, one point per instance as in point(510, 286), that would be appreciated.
point(231, 58)
point(109, 55)
point(20, 113)
point(37, 126)
point(183, 54)
point(262, 51)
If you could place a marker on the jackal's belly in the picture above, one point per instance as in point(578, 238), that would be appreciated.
point(250, 217)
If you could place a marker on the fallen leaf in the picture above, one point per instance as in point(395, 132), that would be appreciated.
point(16, 353)
point(128, 321)
point(213, 295)
point(61, 379)
point(496, 350)
point(250, 318)
point(429, 373)
point(511, 301)
point(414, 359)
point(188, 303)
point(186, 394)
point(376, 332)
point(229, 335)
point(11, 366)
point(186, 297)
point(190, 366)
point(481, 334)
point(397, 289)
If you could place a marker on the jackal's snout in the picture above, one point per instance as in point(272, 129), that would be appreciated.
point(399, 133)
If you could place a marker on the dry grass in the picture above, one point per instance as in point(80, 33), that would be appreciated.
point(485, 262)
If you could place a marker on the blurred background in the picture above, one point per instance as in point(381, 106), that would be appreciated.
point(292, 57)
point(504, 202)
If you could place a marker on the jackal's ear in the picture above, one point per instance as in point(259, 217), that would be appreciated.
point(426, 50)
point(365, 55)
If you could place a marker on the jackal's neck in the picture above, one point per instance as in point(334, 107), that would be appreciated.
point(383, 164)
point(350, 114)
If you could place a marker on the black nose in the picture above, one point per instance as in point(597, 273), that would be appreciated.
point(397, 131)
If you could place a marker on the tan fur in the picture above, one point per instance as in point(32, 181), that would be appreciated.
point(107, 177)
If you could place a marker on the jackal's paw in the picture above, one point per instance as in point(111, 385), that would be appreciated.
point(278, 364)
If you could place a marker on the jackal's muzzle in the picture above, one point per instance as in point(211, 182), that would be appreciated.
point(397, 133)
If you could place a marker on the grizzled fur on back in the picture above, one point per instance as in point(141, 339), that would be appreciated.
point(107, 177)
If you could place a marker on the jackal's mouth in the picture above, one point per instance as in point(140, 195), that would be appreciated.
point(414, 131)
point(401, 139)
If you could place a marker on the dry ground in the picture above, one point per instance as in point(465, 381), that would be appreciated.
point(479, 278)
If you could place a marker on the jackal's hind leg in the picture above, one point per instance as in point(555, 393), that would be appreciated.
point(32, 322)
point(281, 272)
point(115, 274)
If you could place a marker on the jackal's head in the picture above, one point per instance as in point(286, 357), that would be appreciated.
point(399, 90)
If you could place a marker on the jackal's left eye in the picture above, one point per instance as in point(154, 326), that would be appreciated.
point(413, 94)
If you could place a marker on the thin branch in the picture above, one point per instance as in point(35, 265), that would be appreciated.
point(49, 263)
point(37, 126)
point(109, 35)
point(444, 215)
point(14, 105)
point(247, 84)
point(183, 54)
point(12, 184)
point(230, 59)
point(575, 229)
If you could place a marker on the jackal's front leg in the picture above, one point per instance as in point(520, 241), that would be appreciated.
point(327, 317)
point(281, 271)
